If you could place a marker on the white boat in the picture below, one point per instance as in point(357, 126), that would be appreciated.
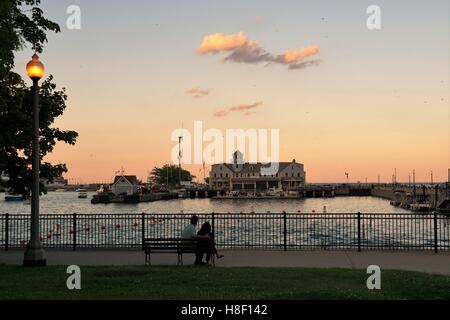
point(82, 195)
point(420, 207)
point(183, 194)
point(274, 192)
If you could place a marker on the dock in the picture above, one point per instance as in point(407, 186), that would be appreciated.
point(134, 198)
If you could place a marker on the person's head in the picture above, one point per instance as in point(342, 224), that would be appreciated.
point(205, 229)
point(194, 220)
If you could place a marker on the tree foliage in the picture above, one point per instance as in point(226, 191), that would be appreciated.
point(171, 174)
point(22, 22)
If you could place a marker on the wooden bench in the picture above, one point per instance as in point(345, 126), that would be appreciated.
point(170, 245)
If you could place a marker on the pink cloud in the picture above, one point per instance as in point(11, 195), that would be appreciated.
point(239, 108)
point(197, 92)
point(240, 49)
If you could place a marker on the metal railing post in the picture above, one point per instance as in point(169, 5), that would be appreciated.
point(7, 232)
point(74, 234)
point(212, 224)
point(359, 231)
point(435, 233)
point(285, 230)
point(143, 229)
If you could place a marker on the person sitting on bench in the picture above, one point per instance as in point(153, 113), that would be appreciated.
point(190, 232)
point(207, 244)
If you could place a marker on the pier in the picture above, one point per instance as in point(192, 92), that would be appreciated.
point(133, 198)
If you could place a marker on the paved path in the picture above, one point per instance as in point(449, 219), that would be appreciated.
point(413, 261)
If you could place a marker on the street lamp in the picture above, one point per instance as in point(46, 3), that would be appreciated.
point(34, 254)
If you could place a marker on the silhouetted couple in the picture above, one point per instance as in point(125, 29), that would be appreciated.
point(205, 240)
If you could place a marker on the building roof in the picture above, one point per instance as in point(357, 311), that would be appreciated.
point(247, 167)
point(255, 167)
point(131, 179)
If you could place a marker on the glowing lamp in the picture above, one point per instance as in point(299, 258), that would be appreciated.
point(35, 68)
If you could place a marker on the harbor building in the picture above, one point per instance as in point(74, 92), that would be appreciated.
point(240, 175)
point(125, 185)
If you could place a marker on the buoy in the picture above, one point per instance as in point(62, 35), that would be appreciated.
point(58, 230)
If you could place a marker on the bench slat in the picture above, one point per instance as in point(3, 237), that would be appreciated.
point(169, 245)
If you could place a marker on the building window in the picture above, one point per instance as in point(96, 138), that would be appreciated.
point(226, 175)
point(286, 174)
point(221, 175)
point(298, 174)
point(215, 175)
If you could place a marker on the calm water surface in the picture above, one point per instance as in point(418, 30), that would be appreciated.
point(68, 202)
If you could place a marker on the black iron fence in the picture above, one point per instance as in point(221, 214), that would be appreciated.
point(283, 231)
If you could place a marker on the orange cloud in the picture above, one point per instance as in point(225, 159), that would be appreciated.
point(221, 42)
point(239, 108)
point(294, 55)
point(197, 92)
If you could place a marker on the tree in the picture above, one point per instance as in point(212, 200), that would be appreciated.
point(22, 22)
point(170, 175)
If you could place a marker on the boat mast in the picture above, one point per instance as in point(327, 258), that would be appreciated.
point(180, 138)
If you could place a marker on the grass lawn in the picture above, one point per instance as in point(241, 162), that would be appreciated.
point(142, 282)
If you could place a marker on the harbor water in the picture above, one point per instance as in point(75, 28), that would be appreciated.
point(118, 225)
point(68, 202)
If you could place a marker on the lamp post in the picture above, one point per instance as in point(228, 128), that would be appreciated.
point(34, 254)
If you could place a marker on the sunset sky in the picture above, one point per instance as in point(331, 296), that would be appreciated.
point(345, 98)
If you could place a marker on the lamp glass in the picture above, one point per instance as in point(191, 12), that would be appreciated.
point(35, 68)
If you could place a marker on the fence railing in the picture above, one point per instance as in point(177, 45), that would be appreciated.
point(282, 231)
